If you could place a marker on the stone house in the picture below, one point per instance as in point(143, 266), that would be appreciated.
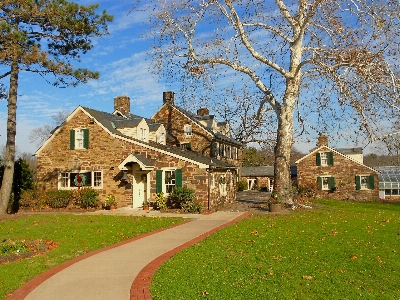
point(129, 156)
point(258, 177)
point(337, 174)
point(201, 132)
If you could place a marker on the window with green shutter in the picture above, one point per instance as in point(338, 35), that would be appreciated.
point(178, 178)
point(319, 183)
point(72, 139)
point(86, 138)
point(358, 182)
point(318, 159)
point(330, 158)
point(371, 182)
point(331, 183)
point(159, 181)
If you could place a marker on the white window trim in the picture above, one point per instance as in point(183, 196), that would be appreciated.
point(324, 158)
point(364, 186)
point(188, 129)
point(69, 187)
point(79, 138)
point(325, 187)
point(164, 184)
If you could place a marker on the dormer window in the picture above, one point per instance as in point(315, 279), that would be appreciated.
point(143, 134)
point(79, 138)
point(188, 130)
point(161, 138)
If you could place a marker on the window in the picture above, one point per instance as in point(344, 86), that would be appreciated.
point(187, 146)
point(143, 134)
point(326, 183)
point(364, 182)
point(79, 138)
point(324, 158)
point(167, 180)
point(216, 153)
point(188, 130)
point(71, 180)
point(161, 138)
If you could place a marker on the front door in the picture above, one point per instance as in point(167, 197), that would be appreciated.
point(139, 189)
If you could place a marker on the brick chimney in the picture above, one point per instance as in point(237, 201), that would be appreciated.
point(203, 112)
point(322, 140)
point(123, 104)
point(168, 97)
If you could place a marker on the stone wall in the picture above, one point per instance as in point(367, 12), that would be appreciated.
point(105, 153)
point(344, 170)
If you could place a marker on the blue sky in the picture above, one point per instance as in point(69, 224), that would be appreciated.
point(122, 60)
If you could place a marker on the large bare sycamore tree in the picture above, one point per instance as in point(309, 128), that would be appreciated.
point(43, 37)
point(328, 65)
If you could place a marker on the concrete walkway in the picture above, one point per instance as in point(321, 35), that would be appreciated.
point(109, 273)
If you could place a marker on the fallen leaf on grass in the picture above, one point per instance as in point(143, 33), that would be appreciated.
point(307, 277)
point(353, 256)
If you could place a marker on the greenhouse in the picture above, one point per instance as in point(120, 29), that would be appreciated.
point(389, 181)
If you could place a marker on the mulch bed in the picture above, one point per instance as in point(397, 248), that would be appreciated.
point(36, 247)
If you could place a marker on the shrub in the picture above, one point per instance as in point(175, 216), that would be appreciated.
point(242, 185)
point(35, 198)
point(89, 198)
point(161, 201)
point(58, 198)
point(186, 199)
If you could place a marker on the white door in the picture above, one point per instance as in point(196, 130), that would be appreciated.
point(139, 189)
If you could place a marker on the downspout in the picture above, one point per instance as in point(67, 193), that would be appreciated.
point(209, 187)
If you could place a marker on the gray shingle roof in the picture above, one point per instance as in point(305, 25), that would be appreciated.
point(107, 120)
point(258, 171)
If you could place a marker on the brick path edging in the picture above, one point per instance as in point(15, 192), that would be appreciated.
point(27, 288)
point(140, 289)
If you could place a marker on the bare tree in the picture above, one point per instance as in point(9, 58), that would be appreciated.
point(41, 134)
point(323, 65)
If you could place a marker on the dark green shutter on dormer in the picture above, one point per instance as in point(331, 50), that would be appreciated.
point(371, 182)
point(86, 138)
point(319, 183)
point(318, 159)
point(178, 178)
point(159, 183)
point(330, 158)
point(72, 139)
point(358, 182)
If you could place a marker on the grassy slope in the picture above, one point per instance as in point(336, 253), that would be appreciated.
point(341, 250)
point(76, 235)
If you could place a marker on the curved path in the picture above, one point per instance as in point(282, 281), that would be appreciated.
point(110, 273)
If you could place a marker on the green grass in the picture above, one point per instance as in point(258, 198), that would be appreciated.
point(341, 250)
point(76, 235)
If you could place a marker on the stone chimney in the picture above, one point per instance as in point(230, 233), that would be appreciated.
point(322, 140)
point(123, 104)
point(168, 97)
point(203, 112)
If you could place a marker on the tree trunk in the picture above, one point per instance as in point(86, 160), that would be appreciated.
point(9, 159)
point(284, 142)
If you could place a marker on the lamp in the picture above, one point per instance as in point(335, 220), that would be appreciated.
point(125, 176)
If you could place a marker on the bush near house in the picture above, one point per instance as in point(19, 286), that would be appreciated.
point(242, 185)
point(185, 198)
point(38, 198)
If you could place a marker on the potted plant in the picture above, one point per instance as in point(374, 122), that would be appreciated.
point(146, 205)
point(274, 202)
point(110, 202)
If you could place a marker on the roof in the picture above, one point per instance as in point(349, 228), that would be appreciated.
point(388, 173)
point(347, 151)
point(108, 122)
point(258, 171)
point(195, 118)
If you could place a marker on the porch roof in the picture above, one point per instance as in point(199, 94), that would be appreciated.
point(144, 163)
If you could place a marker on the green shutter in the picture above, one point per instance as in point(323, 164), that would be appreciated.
point(189, 146)
point(86, 138)
point(319, 182)
point(318, 158)
point(159, 183)
point(178, 178)
point(330, 158)
point(358, 183)
point(371, 182)
point(72, 139)
point(331, 183)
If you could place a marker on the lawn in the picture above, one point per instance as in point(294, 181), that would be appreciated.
point(73, 235)
point(338, 250)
